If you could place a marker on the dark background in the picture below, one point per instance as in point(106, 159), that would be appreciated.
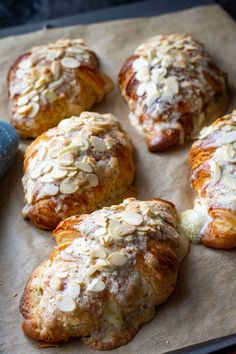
point(18, 12)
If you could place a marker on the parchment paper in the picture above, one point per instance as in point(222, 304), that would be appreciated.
point(203, 305)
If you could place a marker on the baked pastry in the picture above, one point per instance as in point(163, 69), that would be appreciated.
point(53, 82)
point(172, 85)
point(107, 275)
point(81, 165)
point(213, 175)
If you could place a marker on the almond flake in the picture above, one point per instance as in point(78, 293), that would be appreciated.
point(34, 109)
point(58, 173)
point(66, 304)
point(98, 143)
point(96, 285)
point(69, 185)
point(25, 64)
point(73, 290)
point(47, 168)
point(55, 67)
point(98, 253)
point(230, 151)
point(132, 218)
point(93, 180)
point(139, 63)
point(141, 89)
point(117, 259)
point(52, 55)
point(70, 63)
point(27, 90)
point(83, 166)
point(40, 82)
point(215, 171)
point(23, 100)
point(66, 159)
point(57, 83)
point(117, 230)
point(36, 173)
point(41, 153)
point(47, 178)
point(229, 181)
point(20, 74)
point(55, 283)
point(54, 144)
point(24, 109)
point(62, 274)
point(143, 74)
point(50, 189)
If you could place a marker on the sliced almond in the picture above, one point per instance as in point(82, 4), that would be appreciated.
point(54, 146)
point(93, 180)
point(139, 63)
point(22, 101)
point(98, 143)
point(62, 274)
point(47, 168)
point(24, 109)
point(215, 171)
point(117, 230)
point(230, 151)
point(52, 55)
point(47, 178)
point(55, 283)
point(40, 82)
point(35, 98)
point(229, 181)
point(36, 173)
point(41, 152)
point(50, 189)
point(25, 64)
point(27, 89)
point(58, 173)
point(50, 95)
point(66, 159)
point(71, 173)
point(132, 218)
point(117, 259)
point(83, 166)
point(20, 74)
point(55, 68)
point(143, 74)
point(69, 185)
point(66, 304)
point(98, 253)
point(55, 84)
point(73, 290)
point(70, 63)
point(96, 285)
point(34, 109)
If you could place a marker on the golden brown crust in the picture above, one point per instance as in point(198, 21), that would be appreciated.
point(143, 275)
point(213, 170)
point(169, 95)
point(63, 91)
point(111, 170)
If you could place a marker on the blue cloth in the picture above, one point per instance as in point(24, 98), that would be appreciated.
point(9, 140)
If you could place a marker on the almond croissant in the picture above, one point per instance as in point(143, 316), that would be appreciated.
point(212, 160)
point(53, 82)
point(107, 275)
point(172, 85)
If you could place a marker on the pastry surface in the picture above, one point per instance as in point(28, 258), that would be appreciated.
point(172, 86)
point(53, 82)
point(104, 280)
point(81, 165)
point(213, 176)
